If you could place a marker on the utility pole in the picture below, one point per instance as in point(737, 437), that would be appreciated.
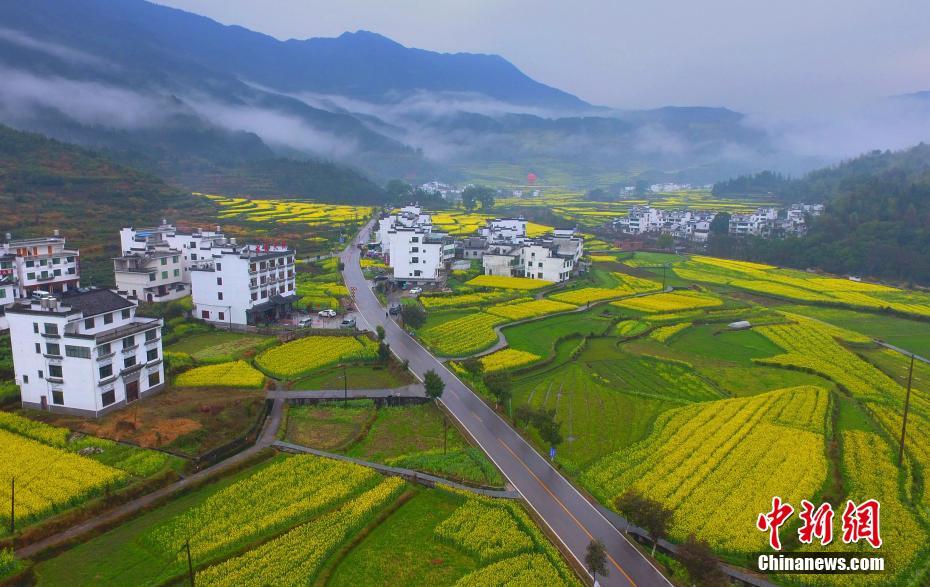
point(907, 403)
point(190, 564)
point(445, 432)
point(345, 386)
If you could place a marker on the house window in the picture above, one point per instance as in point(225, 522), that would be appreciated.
point(177, 272)
point(219, 266)
point(254, 296)
point(108, 318)
point(70, 259)
point(58, 397)
point(25, 379)
point(30, 263)
point(219, 281)
point(54, 371)
point(151, 335)
point(219, 295)
point(415, 260)
point(40, 374)
point(417, 273)
point(193, 256)
point(52, 349)
point(56, 261)
point(154, 379)
point(125, 314)
point(35, 327)
point(174, 259)
point(164, 260)
point(151, 355)
point(152, 277)
point(89, 323)
point(264, 294)
point(2, 293)
point(129, 342)
point(415, 239)
point(51, 328)
point(106, 371)
point(205, 314)
point(103, 350)
point(108, 397)
point(222, 315)
point(57, 272)
point(77, 352)
point(129, 362)
point(539, 275)
point(164, 275)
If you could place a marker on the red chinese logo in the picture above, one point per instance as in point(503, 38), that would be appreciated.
point(773, 520)
point(817, 523)
point(861, 522)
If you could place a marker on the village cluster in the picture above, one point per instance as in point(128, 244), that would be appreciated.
point(418, 254)
point(692, 225)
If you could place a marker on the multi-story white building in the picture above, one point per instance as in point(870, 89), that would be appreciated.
point(193, 246)
point(42, 264)
point(418, 255)
point(552, 258)
point(510, 230)
point(249, 284)
point(84, 352)
point(7, 294)
point(155, 275)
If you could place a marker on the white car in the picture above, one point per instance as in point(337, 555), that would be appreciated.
point(416, 291)
point(326, 313)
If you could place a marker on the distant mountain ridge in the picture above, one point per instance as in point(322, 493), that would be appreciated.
point(187, 97)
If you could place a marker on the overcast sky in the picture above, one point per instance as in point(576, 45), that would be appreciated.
point(785, 56)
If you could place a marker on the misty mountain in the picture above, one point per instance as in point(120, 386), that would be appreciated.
point(189, 98)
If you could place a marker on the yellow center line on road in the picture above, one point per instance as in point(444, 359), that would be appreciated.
point(562, 505)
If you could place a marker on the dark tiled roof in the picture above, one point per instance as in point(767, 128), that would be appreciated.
point(97, 301)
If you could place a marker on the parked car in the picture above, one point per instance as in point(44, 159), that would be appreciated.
point(394, 310)
point(416, 291)
point(305, 322)
point(347, 323)
point(326, 313)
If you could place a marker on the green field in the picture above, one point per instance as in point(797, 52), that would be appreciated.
point(411, 437)
point(322, 520)
point(366, 376)
point(912, 335)
point(218, 346)
point(403, 549)
point(539, 336)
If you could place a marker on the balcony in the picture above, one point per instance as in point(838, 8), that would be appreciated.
point(106, 356)
point(54, 359)
point(129, 350)
point(55, 380)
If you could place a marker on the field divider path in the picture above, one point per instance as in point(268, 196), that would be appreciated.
point(415, 390)
point(409, 474)
point(570, 517)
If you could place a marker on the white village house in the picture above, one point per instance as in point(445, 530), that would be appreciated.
point(84, 352)
point(248, 284)
point(41, 264)
point(156, 261)
point(416, 254)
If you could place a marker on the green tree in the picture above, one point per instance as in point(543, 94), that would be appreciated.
point(475, 194)
point(595, 558)
point(414, 315)
point(665, 241)
point(649, 514)
point(384, 351)
point(398, 190)
point(473, 366)
point(703, 567)
point(720, 224)
point(434, 384)
point(380, 331)
point(500, 384)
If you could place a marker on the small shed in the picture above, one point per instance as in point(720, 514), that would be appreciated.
point(739, 325)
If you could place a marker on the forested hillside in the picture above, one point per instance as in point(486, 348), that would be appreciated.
point(46, 184)
point(876, 222)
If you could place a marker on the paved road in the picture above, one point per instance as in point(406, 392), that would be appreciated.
point(568, 514)
point(266, 438)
